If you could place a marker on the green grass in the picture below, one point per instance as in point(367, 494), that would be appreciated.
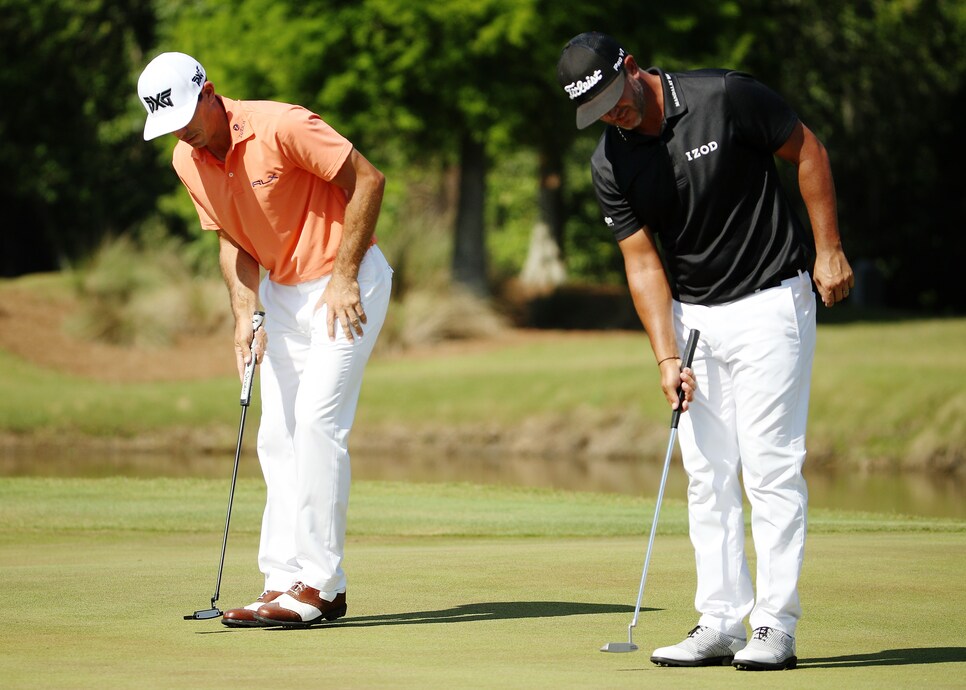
point(872, 402)
point(451, 585)
point(36, 400)
point(885, 395)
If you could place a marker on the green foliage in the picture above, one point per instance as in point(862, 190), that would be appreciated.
point(511, 211)
point(70, 151)
point(866, 76)
point(407, 80)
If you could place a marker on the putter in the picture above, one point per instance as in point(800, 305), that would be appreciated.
point(629, 646)
point(258, 318)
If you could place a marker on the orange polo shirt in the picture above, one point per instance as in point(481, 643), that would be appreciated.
point(273, 194)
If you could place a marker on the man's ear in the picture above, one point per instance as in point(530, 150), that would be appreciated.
point(630, 65)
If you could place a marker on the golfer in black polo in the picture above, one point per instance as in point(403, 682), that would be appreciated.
point(685, 173)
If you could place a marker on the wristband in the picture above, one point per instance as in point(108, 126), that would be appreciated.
point(667, 358)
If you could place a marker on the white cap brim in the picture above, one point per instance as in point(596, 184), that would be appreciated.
point(167, 121)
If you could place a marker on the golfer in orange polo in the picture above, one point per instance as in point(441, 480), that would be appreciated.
point(287, 193)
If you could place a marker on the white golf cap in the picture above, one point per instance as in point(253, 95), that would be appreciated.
point(169, 88)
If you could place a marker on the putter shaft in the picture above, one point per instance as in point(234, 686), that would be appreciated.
point(629, 646)
point(258, 319)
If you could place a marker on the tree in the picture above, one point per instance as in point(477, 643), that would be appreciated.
point(682, 35)
point(71, 156)
point(883, 83)
point(464, 82)
point(387, 73)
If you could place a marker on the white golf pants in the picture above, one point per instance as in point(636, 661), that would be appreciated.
point(310, 388)
point(753, 366)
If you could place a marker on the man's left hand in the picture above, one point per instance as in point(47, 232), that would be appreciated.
point(833, 276)
point(344, 303)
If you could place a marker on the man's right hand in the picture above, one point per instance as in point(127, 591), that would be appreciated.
point(243, 342)
point(673, 378)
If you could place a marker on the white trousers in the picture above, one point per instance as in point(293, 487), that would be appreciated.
point(753, 367)
point(310, 388)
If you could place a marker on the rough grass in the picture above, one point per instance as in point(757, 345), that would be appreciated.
point(873, 405)
point(132, 295)
point(450, 586)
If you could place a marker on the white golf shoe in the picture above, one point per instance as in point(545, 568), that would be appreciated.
point(703, 647)
point(770, 649)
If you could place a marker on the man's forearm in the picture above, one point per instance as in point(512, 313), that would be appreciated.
point(361, 215)
point(818, 192)
point(832, 274)
point(652, 301)
point(241, 274)
point(650, 291)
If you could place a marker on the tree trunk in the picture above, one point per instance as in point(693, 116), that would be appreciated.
point(469, 245)
point(544, 268)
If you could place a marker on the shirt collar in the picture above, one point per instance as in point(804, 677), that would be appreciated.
point(237, 121)
point(674, 101)
point(674, 106)
point(241, 129)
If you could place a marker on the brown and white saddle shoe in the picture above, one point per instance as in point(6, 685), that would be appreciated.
point(300, 607)
point(245, 617)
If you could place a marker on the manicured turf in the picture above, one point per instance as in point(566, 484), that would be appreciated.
point(451, 586)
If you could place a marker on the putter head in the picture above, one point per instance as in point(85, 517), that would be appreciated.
point(619, 647)
point(204, 614)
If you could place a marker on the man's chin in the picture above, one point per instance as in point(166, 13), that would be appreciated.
point(630, 123)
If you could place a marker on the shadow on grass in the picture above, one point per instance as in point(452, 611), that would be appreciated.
point(472, 613)
point(497, 610)
point(890, 657)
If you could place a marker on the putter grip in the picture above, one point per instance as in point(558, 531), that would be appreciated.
point(685, 362)
point(258, 318)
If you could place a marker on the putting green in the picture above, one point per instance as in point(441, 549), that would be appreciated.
point(450, 586)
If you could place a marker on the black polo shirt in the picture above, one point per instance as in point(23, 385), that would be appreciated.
point(707, 185)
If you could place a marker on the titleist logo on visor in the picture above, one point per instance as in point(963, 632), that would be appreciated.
point(581, 86)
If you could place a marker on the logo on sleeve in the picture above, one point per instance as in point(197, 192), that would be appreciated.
point(609, 221)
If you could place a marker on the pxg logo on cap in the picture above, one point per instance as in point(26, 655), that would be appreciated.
point(169, 88)
point(590, 71)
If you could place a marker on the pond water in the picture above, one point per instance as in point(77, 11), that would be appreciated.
point(908, 494)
